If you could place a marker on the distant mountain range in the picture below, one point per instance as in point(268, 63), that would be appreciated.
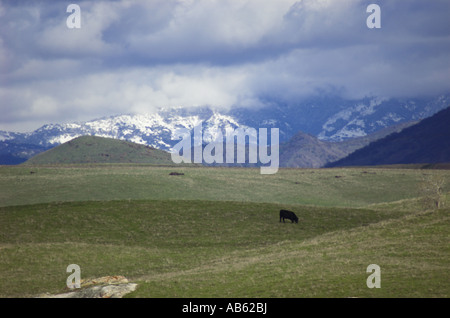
point(426, 142)
point(306, 151)
point(325, 121)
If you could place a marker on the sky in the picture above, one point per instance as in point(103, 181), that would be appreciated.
point(130, 57)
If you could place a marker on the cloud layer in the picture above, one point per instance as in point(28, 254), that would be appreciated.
point(137, 56)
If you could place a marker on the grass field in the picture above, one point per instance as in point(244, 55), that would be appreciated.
point(215, 232)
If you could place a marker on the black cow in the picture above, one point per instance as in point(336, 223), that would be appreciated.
point(285, 214)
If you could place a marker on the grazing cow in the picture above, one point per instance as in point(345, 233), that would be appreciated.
point(285, 214)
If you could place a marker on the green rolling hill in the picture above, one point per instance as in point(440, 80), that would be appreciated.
point(92, 149)
point(215, 232)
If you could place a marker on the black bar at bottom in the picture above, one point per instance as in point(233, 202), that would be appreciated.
point(214, 307)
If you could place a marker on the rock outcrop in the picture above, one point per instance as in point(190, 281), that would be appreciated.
point(103, 287)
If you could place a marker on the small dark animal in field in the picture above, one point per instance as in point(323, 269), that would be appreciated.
point(176, 174)
point(285, 214)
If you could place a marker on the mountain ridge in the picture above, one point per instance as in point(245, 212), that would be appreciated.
point(428, 141)
point(307, 151)
point(328, 118)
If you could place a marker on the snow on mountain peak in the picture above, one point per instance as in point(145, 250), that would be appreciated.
point(332, 119)
point(155, 129)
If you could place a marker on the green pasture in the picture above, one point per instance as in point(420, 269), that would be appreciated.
point(352, 187)
point(215, 232)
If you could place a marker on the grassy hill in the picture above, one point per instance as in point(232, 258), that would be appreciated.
point(215, 232)
point(224, 249)
point(93, 149)
point(105, 182)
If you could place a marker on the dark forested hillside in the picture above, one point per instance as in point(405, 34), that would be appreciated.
point(425, 142)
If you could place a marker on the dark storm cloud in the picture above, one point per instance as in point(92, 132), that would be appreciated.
point(140, 55)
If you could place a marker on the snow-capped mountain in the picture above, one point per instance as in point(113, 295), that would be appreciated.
point(328, 118)
point(368, 116)
point(332, 118)
point(156, 130)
